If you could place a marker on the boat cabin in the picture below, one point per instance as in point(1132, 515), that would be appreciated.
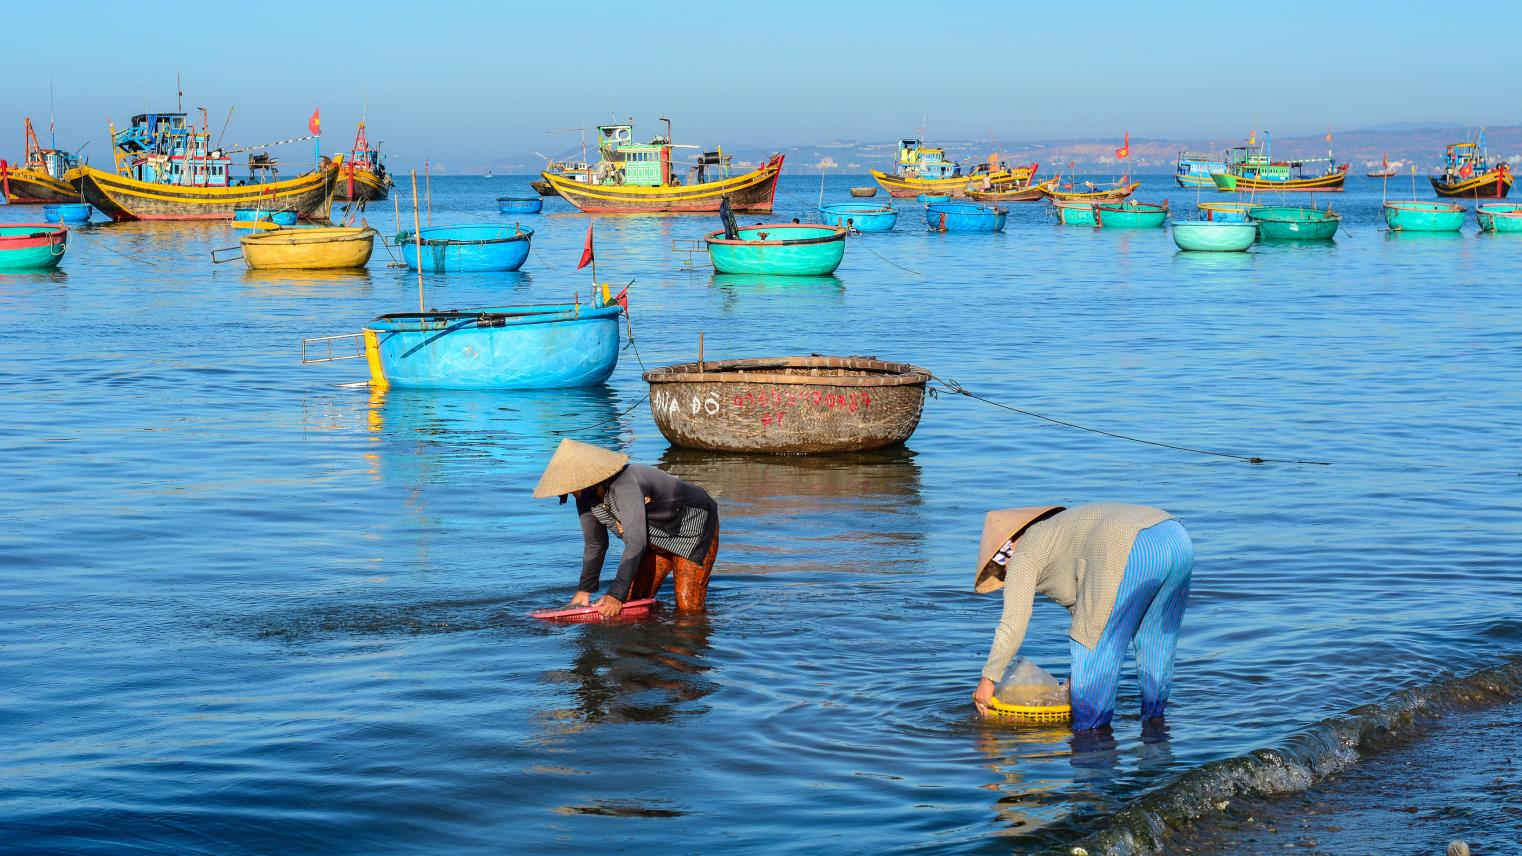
point(916, 160)
point(365, 157)
point(1254, 162)
point(54, 162)
point(625, 162)
point(162, 148)
point(1460, 155)
point(1199, 165)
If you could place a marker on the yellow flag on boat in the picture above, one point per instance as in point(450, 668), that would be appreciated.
point(607, 295)
point(1252, 138)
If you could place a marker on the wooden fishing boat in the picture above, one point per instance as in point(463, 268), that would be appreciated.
point(1074, 212)
point(543, 188)
point(924, 170)
point(632, 178)
point(511, 347)
point(69, 213)
point(1194, 169)
point(864, 192)
point(1131, 214)
point(317, 248)
point(520, 204)
point(362, 177)
point(32, 246)
point(1252, 168)
point(168, 170)
point(1499, 217)
point(1385, 170)
point(1095, 193)
point(1213, 236)
point(41, 177)
point(862, 216)
point(1467, 173)
point(1228, 212)
point(964, 217)
point(1030, 193)
point(783, 249)
point(473, 247)
point(1295, 223)
point(1417, 215)
point(788, 405)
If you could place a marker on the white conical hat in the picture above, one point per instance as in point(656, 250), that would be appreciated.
point(577, 465)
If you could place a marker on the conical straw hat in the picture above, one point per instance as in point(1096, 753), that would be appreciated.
point(998, 527)
point(577, 465)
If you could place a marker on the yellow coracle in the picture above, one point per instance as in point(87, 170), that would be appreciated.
point(1034, 714)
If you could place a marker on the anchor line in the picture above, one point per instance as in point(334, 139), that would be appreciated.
point(954, 387)
point(888, 260)
point(99, 245)
point(642, 400)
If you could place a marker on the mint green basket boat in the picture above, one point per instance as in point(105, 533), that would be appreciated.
point(1417, 215)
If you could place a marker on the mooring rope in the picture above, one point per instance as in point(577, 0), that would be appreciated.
point(642, 400)
point(888, 260)
point(98, 244)
point(953, 386)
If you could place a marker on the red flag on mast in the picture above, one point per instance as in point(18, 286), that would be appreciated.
point(1125, 148)
point(314, 124)
point(586, 251)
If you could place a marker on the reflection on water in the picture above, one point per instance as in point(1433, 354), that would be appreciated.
point(291, 283)
point(741, 291)
point(648, 670)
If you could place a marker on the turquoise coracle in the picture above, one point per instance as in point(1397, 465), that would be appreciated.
point(964, 217)
point(785, 249)
point(865, 216)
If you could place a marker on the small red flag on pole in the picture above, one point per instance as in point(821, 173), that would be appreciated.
point(587, 256)
point(314, 124)
point(1125, 148)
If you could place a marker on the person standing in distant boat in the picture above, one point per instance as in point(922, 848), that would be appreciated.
point(669, 527)
point(1123, 571)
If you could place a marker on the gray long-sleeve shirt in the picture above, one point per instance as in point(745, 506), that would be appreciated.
point(642, 498)
point(1077, 558)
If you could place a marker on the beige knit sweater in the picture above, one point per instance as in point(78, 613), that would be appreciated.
point(1076, 558)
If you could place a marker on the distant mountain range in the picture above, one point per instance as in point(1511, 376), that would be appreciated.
point(1405, 143)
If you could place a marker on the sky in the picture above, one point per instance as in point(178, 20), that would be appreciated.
point(460, 82)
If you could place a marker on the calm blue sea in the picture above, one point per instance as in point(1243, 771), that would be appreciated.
point(252, 607)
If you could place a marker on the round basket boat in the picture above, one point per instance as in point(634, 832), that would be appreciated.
point(864, 192)
point(788, 405)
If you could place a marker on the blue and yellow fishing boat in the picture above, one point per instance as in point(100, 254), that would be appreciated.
point(1500, 217)
point(167, 169)
point(1252, 168)
point(41, 177)
point(1228, 212)
point(1418, 215)
point(469, 248)
point(964, 217)
point(1195, 169)
point(785, 249)
point(862, 216)
point(507, 347)
point(1467, 172)
point(631, 178)
point(924, 170)
point(32, 246)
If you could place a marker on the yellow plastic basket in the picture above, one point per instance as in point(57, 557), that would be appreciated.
point(1033, 714)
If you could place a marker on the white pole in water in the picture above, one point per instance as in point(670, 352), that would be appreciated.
point(417, 237)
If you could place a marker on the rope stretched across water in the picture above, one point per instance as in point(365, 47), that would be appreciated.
point(953, 386)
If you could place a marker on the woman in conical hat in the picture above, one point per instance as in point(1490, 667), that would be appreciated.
point(1123, 572)
point(668, 527)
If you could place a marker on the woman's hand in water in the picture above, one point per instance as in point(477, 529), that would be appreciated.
point(609, 606)
point(581, 598)
point(983, 695)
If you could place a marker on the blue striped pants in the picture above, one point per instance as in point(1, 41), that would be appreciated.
point(1149, 607)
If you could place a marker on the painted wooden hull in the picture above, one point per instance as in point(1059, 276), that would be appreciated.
point(1491, 185)
point(362, 185)
point(1209, 236)
point(905, 188)
point(1074, 213)
point(1330, 183)
point(788, 405)
point(70, 213)
point(964, 217)
point(1422, 216)
point(1109, 195)
point(1130, 215)
point(122, 198)
point(780, 249)
point(865, 216)
point(519, 204)
point(513, 347)
point(1502, 217)
point(1193, 180)
point(750, 193)
point(32, 246)
point(1292, 223)
point(30, 186)
point(473, 248)
point(544, 188)
point(1033, 193)
point(323, 248)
